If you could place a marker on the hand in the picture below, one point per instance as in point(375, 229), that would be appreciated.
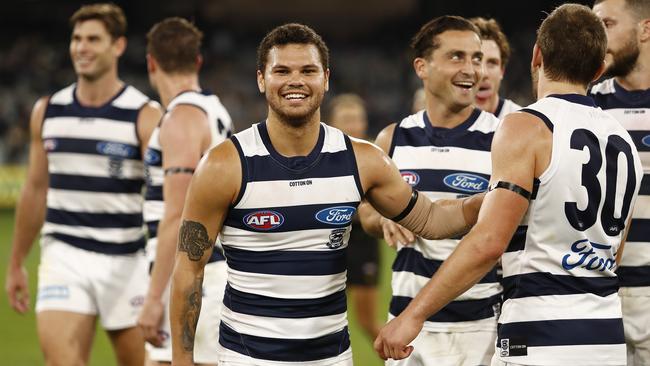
point(150, 319)
point(394, 337)
point(395, 234)
point(17, 288)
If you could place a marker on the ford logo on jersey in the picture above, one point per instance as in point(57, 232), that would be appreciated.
point(411, 178)
point(338, 215)
point(589, 255)
point(151, 157)
point(116, 149)
point(264, 220)
point(466, 182)
point(646, 140)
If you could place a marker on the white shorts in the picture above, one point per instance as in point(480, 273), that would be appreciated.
point(636, 324)
point(450, 349)
point(80, 281)
point(229, 357)
point(206, 340)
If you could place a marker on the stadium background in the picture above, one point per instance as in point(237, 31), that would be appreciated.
point(368, 40)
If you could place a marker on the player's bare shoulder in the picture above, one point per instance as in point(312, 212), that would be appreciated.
point(38, 115)
point(220, 171)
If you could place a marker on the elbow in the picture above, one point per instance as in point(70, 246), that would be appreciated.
point(489, 248)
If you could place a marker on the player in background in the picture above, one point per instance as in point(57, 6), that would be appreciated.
point(347, 112)
point(194, 121)
point(565, 178)
point(443, 151)
point(496, 54)
point(83, 192)
point(625, 94)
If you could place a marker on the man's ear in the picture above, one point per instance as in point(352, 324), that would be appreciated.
point(260, 82)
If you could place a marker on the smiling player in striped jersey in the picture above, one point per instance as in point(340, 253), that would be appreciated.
point(625, 94)
point(283, 215)
point(86, 168)
point(565, 179)
point(194, 122)
point(444, 152)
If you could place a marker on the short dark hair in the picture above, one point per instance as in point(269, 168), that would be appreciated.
point(640, 9)
point(175, 43)
point(573, 43)
point(108, 13)
point(425, 40)
point(491, 30)
point(291, 33)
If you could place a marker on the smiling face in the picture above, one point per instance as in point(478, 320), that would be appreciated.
point(622, 47)
point(93, 51)
point(293, 82)
point(487, 97)
point(451, 73)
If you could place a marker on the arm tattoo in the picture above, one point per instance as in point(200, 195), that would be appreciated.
point(191, 314)
point(193, 239)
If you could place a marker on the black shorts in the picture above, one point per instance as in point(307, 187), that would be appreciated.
point(363, 258)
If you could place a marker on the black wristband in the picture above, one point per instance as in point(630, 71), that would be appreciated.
point(409, 207)
point(511, 187)
point(179, 170)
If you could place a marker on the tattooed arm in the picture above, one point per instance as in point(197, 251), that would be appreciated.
point(208, 199)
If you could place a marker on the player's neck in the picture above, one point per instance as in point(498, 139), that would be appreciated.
point(289, 140)
point(97, 92)
point(171, 86)
point(638, 78)
point(490, 104)
point(445, 116)
point(548, 87)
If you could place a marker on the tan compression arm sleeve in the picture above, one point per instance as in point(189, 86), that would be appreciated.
point(440, 220)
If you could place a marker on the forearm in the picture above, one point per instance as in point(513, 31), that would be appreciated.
point(185, 308)
point(370, 220)
point(164, 260)
point(30, 215)
point(470, 262)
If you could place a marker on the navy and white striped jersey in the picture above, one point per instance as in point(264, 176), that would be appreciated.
point(285, 244)
point(561, 305)
point(444, 163)
point(220, 125)
point(505, 107)
point(94, 200)
point(632, 110)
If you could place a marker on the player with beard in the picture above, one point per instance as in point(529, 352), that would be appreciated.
point(496, 54)
point(283, 214)
point(565, 177)
point(626, 95)
point(83, 187)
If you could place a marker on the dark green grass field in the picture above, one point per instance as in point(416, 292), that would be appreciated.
point(19, 345)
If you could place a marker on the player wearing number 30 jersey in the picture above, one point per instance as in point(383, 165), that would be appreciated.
point(565, 178)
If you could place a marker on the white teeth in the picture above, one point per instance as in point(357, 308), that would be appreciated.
point(295, 96)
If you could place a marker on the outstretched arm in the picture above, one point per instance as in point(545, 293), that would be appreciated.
point(520, 151)
point(203, 216)
point(30, 213)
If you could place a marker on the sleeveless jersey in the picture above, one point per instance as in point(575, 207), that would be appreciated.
point(632, 110)
point(444, 163)
point(561, 305)
point(505, 107)
point(94, 200)
point(220, 125)
point(285, 244)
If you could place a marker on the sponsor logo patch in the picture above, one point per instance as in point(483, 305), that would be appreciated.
point(466, 182)
point(137, 301)
point(54, 292)
point(50, 144)
point(116, 149)
point(411, 178)
point(646, 140)
point(264, 220)
point(589, 255)
point(338, 215)
point(152, 157)
point(510, 347)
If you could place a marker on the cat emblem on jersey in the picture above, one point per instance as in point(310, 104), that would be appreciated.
point(336, 238)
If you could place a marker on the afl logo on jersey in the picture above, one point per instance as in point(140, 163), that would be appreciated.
point(151, 157)
point(411, 178)
point(646, 140)
point(50, 144)
point(466, 182)
point(338, 215)
point(116, 149)
point(264, 220)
